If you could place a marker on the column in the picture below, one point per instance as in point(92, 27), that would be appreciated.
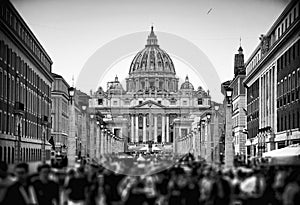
point(101, 142)
point(98, 132)
point(71, 152)
point(107, 144)
point(155, 128)
point(167, 125)
point(163, 128)
point(132, 129)
point(110, 144)
point(104, 142)
point(229, 156)
point(144, 128)
point(175, 142)
point(136, 128)
point(92, 137)
point(216, 137)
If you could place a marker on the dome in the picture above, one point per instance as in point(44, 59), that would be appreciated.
point(152, 58)
point(115, 86)
point(187, 84)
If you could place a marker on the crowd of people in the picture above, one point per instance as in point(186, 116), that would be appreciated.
point(186, 182)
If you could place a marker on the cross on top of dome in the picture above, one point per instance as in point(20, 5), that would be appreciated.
point(152, 38)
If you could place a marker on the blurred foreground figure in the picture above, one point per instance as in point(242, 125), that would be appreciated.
point(5, 180)
point(47, 191)
point(20, 193)
point(77, 188)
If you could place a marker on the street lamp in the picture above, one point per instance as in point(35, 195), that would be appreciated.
point(208, 116)
point(71, 91)
point(229, 92)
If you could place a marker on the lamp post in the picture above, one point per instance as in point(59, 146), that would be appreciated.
point(208, 143)
point(229, 156)
point(71, 138)
point(200, 125)
point(216, 134)
point(84, 136)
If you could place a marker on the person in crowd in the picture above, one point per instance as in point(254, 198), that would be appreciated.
point(5, 180)
point(94, 185)
point(20, 192)
point(111, 182)
point(47, 191)
point(77, 188)
point(221, 190)
point(206, 184)
point(291, 193)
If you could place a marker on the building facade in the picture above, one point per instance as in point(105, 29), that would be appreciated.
point(145, 111)
point(25, 91)
point(272, 82)
point(239, 105)
point(60, 113)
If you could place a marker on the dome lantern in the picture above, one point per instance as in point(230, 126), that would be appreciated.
point(152, 39)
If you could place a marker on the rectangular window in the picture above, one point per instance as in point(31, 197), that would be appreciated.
point(285, 59)
point(1, 83)
point(4, 85)
point(0, 121)
point(293, 52)
point(100, 101)
point(4, 122)
point(289, 83)
point(298, 48)
point(183, 132)
point(200, 102)
point(1, 49)
point(298, 77)
point(140, 102)
point(159, 102)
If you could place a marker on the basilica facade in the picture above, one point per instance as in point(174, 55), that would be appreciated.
point(152, 101)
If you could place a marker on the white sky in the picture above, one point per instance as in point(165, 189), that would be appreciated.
point(72, 30)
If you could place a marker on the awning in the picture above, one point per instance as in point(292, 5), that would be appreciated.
point(144, 149)
point(156, 149)
point(285, 156)
point(290, 151)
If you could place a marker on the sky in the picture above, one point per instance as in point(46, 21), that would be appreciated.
point(73, 30)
